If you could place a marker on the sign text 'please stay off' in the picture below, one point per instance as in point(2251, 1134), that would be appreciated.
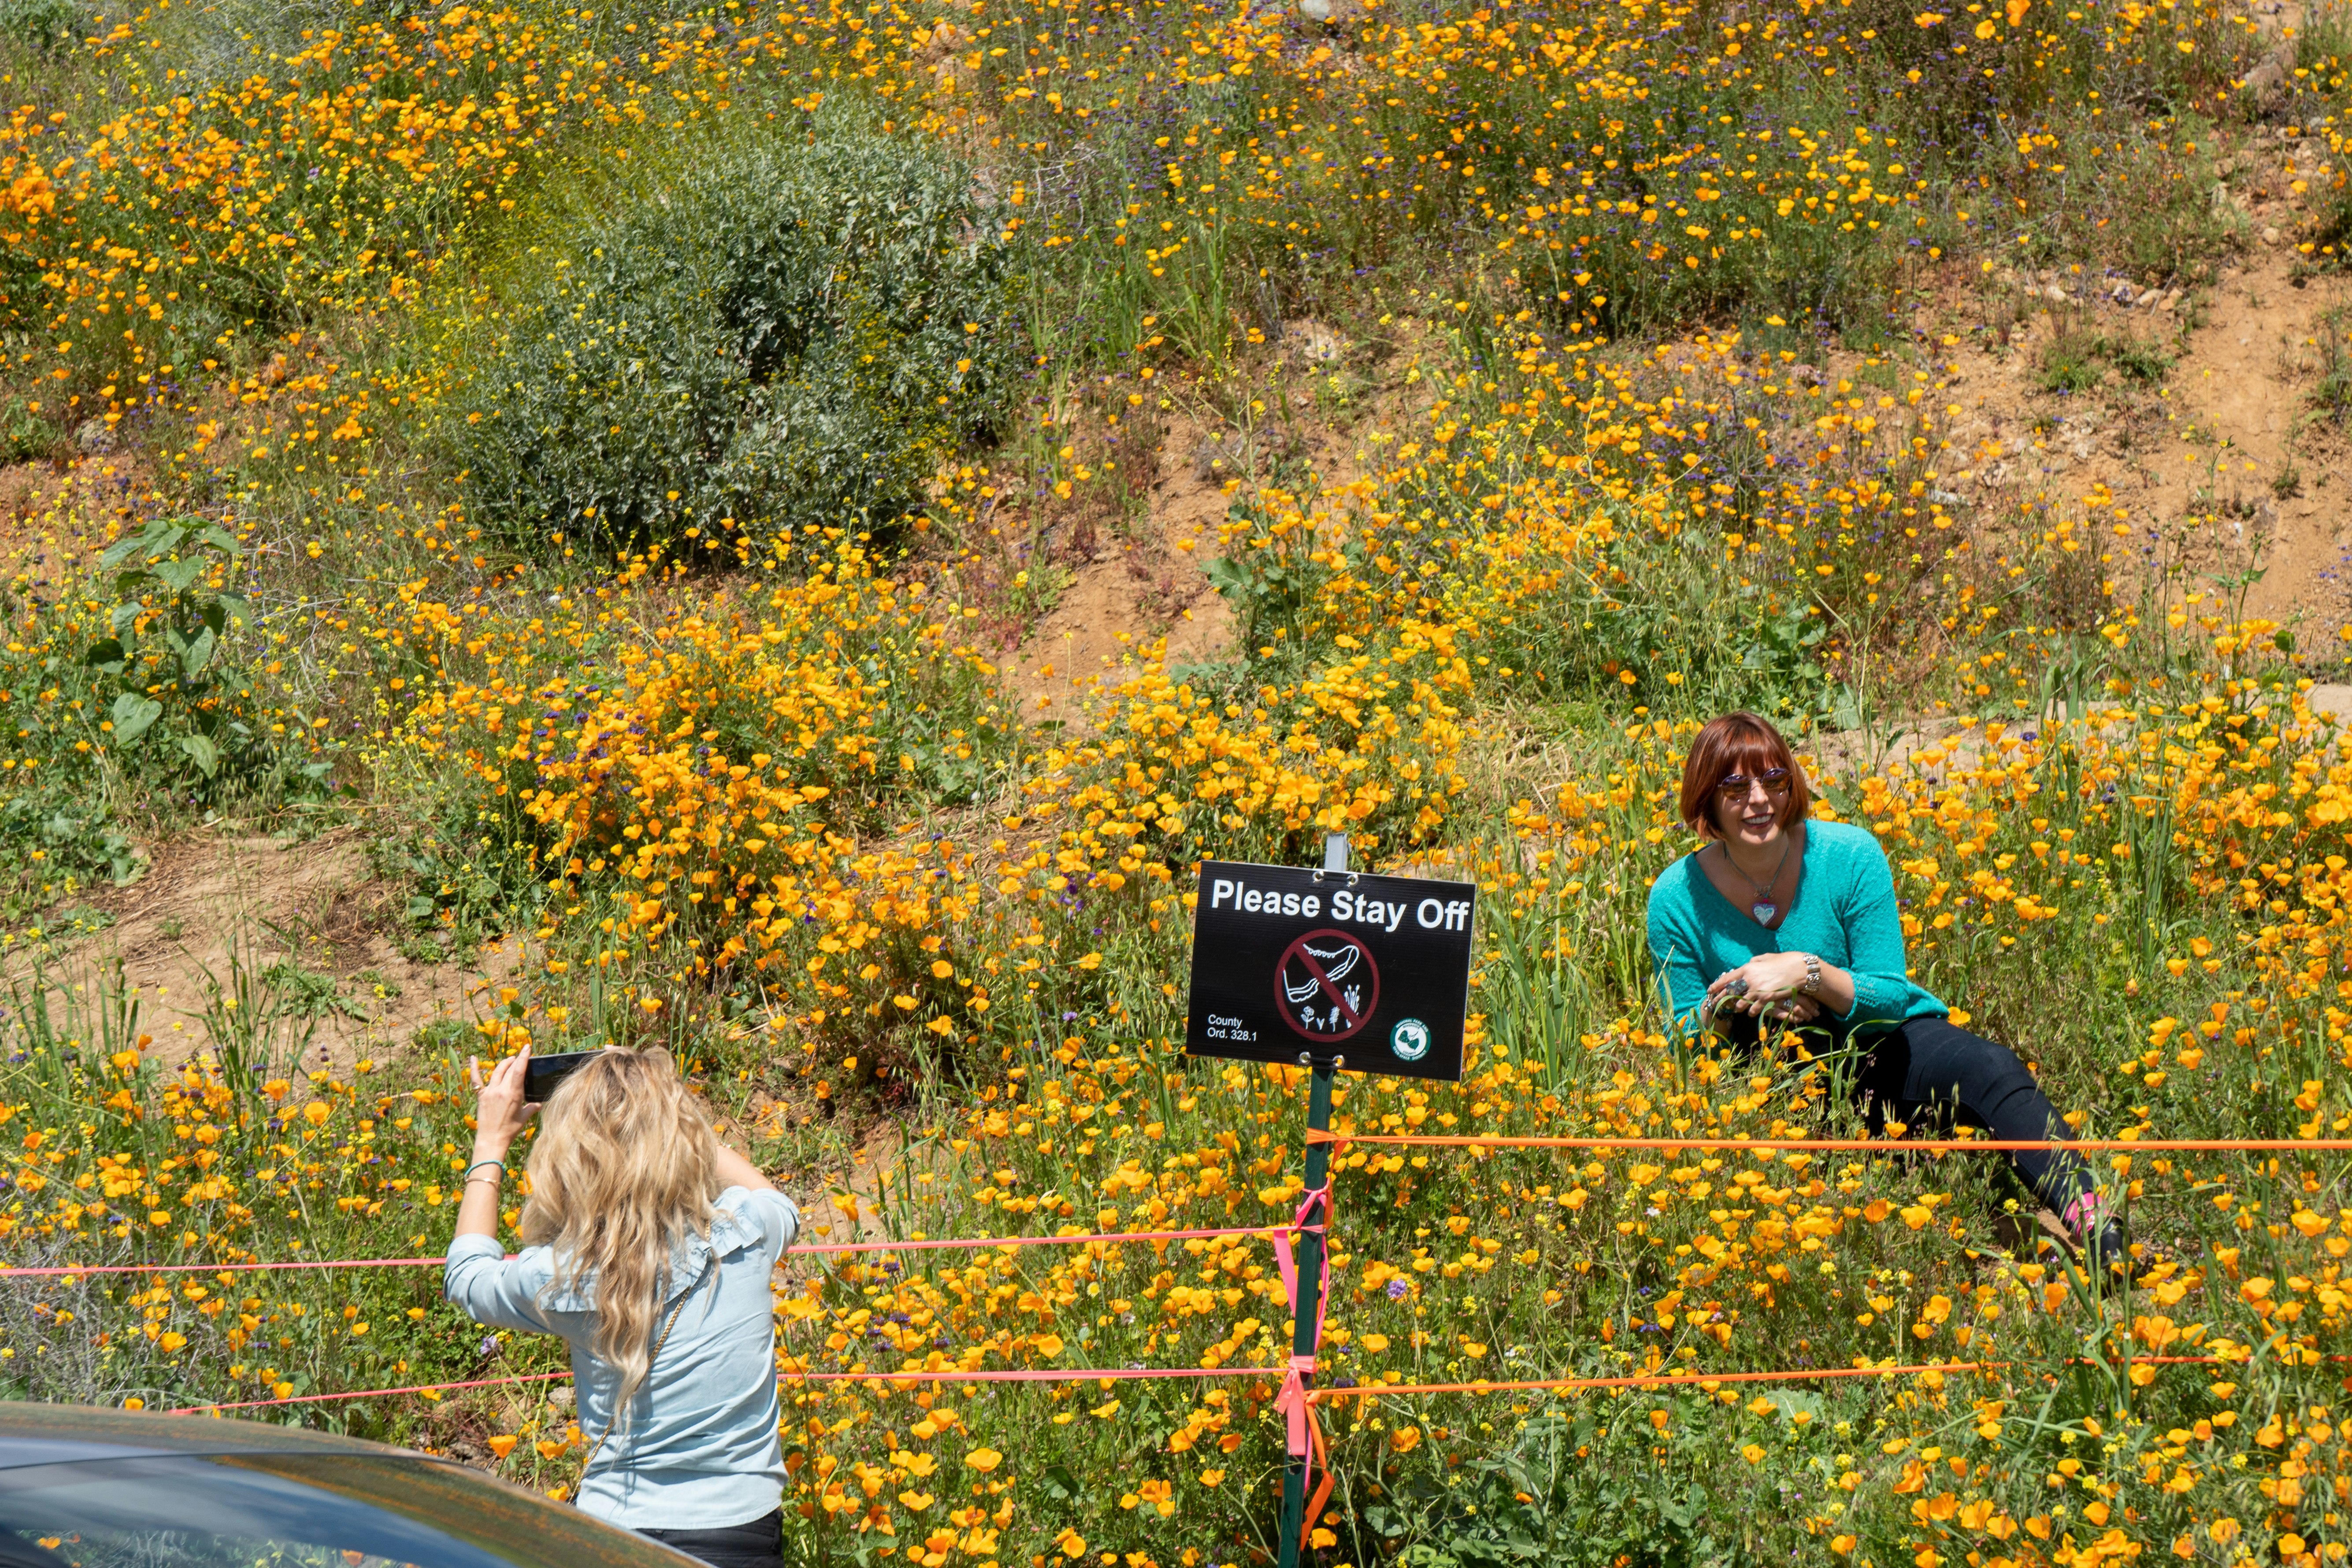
point(1291, 963)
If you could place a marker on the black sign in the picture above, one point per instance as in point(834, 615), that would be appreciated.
point(1290, 962)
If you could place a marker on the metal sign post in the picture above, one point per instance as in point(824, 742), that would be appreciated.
point(1292, 966)
point(1306, 1315)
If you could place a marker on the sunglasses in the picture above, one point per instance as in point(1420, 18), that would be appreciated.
point(1735, 787)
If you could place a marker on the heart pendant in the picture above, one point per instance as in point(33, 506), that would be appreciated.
point(1763, 909)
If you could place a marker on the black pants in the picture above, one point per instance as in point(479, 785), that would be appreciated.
point(1932, 1071)
point(758, 1544)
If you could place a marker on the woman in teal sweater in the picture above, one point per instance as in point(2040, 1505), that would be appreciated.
point(1784, 920)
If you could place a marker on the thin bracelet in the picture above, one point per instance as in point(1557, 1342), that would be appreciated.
point(498, 1165)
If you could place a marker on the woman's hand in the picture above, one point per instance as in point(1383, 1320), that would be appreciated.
point(499, 1117)
point(1757, 981)
point(1769, 978)
point(499, 1113)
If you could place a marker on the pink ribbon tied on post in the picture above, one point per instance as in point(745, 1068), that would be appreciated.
point(1305, 1435)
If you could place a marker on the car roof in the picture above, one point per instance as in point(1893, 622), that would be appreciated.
point(34, 1434)
point(494, 1509)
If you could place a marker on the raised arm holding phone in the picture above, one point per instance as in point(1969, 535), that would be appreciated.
point(647, 1246)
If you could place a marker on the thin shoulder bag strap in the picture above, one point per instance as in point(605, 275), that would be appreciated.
point(597, 1447)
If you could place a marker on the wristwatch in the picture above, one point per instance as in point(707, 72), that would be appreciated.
point(1812, 985)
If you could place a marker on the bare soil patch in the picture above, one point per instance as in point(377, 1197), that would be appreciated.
point(2227, 449)
point(2261, 453)
point(1131, 591)
point(308, 921)
point(1302, 428)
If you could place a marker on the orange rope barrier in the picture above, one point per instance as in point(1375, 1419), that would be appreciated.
point(1728, 1144)
point(932, 1375)
point(1028, 1374)
point(1851, 1145)
point(432, 1388)
point(1314, 1396)
point(76, 1271)
point(1700, 1380)
point(1648, 1380)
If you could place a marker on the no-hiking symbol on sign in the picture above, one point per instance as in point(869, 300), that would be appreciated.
point(1290, 962)
point(1329, 992)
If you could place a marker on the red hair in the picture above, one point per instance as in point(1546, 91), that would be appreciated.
point(1741, 743)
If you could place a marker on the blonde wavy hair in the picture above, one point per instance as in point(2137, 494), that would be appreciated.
point(624, 1168)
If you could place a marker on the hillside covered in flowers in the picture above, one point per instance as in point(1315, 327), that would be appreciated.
point(800, 526)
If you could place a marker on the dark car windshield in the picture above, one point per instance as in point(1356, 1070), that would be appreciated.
point(260, 1510)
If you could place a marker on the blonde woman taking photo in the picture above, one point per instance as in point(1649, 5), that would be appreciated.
point(647, 1244)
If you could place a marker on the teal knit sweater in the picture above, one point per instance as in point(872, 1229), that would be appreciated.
point(1844, 914)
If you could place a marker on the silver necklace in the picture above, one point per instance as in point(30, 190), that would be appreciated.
point(1763, 908)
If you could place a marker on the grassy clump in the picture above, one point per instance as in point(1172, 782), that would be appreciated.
point(2071, 364)
point(41, 27)
point(2078, 361)
point(2331, 396)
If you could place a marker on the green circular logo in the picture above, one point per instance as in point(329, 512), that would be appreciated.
point(1410, 1040)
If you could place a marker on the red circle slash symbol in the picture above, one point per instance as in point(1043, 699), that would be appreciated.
point(1327, 986)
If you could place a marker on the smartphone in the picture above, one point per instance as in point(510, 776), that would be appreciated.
point(539, 1079)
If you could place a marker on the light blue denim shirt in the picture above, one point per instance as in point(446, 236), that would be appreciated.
point(701, 1450)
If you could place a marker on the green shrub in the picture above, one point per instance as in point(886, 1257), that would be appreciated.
point(57, 837)
point(776, 336)
point(2072, 363)
point(129, 699)
point(40, 25)
point(470, 861)
point(2145, 362)
point(24, 433)
point(170, 624)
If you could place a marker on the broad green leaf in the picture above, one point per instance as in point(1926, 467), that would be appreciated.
point(203, 753)
point(158, 538)
point(133, 715)
point(182, 574)
point(197, 654)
